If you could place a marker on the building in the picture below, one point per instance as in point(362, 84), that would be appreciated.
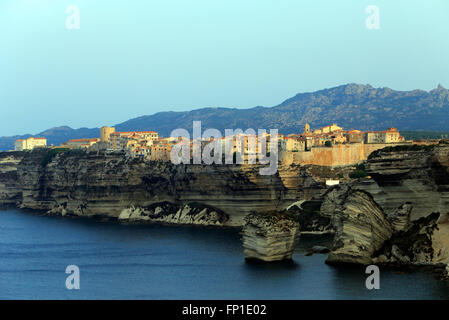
point(354, 136)
point(105, 133)
point(119, 140)
point(337, 137)
point(374, 137)
point(141, 151)
point(328, 129)
point(160, 150)
point(319, 140)
point(29, 143)
point(295, 143)
point(391, 135)
point(80, 143)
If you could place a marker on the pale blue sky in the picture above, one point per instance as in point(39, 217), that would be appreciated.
point(132, 58)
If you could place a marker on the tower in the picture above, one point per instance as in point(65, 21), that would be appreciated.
point(105, 133)
point(306, 128)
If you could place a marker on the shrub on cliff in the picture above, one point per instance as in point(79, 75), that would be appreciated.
point(51, 154)
point(359, 172)
point(405, 147)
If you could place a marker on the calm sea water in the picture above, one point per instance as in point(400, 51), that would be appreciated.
point(158, 262)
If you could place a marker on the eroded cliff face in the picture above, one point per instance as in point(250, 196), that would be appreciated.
point(361, 227)
point(10, 187)
point(418, 177)
point(166, 212)
point(398, 217)
point(99, 184)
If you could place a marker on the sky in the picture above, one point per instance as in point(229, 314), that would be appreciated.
point(138, 57)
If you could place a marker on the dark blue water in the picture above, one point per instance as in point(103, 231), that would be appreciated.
point(156, 262)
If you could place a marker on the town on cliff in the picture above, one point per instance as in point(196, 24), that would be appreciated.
point(388, 205)
point(327, 146)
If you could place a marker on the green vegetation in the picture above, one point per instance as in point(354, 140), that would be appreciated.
point(359, 172)
point(328, 144)
point(51, 154)
point(404, 147)
point(410, 147)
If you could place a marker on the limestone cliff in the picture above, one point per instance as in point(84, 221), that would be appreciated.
point(361, 227)
point(100, 184)
point(10, 187)
point(418, 175)
point(400, 216)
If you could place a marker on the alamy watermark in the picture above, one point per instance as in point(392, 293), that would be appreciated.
point(72, 22)
point(73, 280)
point(372, 281)
point(372, 22)
point(236, 147)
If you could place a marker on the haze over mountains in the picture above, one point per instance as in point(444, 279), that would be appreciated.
point(352, 106)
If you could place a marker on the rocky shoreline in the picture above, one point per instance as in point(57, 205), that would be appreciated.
point(397, 216)
point(94, 183)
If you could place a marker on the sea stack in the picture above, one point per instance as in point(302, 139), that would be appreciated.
point(269, 237)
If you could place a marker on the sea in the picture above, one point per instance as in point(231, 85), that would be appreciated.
point(130, 261)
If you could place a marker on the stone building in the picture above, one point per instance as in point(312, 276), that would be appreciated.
point(295, 143)
point(119, 140)
point(105, 133)
point(354, 136)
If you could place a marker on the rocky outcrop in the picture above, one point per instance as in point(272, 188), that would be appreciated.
point(412, 186)
point(361, 228)
point(269, 237)
point(365, 235)
point(165, 212)
point(418, 175)
point(425, 242)
point(400, 216)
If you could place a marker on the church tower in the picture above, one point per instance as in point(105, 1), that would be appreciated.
point(306, 128)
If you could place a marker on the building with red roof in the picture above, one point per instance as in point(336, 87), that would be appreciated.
point(30, 143)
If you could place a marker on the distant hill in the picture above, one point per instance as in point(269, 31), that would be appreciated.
point(54, 136)
point(352, 106)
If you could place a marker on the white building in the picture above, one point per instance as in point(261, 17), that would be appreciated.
point(30, 143)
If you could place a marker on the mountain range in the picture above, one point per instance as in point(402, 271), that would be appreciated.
point(352, 106)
